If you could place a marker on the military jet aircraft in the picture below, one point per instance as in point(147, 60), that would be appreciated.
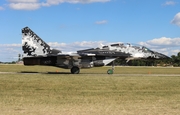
point(38, 52)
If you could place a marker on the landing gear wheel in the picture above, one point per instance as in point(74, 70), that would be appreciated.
point(110, 71)
point(75, 70)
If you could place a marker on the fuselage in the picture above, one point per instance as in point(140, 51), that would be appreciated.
point(123, 51)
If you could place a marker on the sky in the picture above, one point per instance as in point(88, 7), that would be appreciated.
point(71, 25)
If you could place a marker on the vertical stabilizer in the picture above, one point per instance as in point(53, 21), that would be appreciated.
point(33, 45)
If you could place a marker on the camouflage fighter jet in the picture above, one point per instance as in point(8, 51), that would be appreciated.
point(37, 52)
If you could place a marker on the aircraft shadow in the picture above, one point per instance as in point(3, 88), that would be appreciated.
point(58, 73)
point(55, 72)
point(28, 72)
point(33, 72)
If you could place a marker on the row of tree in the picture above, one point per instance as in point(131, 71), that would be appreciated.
point(174, 60)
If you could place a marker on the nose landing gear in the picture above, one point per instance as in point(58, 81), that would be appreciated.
point(111, 71)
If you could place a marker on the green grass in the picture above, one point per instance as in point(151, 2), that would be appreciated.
point(88, 94)
point(95, 70)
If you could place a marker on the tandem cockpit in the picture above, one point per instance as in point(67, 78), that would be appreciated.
point(127, 46)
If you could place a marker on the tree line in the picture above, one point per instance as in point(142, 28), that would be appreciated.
point(174, 60)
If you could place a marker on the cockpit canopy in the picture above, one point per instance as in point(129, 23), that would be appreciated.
point(128, 45)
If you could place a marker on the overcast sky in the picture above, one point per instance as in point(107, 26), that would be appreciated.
point(71, 25)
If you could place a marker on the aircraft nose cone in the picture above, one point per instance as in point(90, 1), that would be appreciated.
point(161, 56)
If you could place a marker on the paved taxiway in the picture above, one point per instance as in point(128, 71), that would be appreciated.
point(92, 74)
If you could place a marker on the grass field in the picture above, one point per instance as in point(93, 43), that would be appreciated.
point(96, 70)
point(52, 91)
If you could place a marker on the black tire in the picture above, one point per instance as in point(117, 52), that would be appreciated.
point(75, 70)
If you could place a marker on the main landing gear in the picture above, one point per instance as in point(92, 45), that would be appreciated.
point(75, 70)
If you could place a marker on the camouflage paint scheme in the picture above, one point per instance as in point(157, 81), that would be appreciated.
point(37, 52)
point(33, 44)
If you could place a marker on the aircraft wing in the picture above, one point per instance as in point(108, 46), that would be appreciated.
point(77, 55)
point(88, 58)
